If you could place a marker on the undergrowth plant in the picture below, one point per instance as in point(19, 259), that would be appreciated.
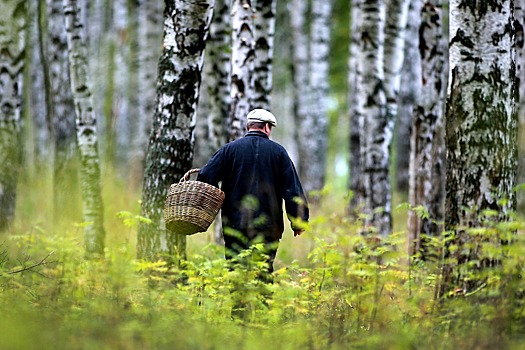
point(349, 291)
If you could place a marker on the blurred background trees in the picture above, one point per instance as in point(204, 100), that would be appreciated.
point(357, 87)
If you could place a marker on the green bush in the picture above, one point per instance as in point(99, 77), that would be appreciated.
point(333, 289)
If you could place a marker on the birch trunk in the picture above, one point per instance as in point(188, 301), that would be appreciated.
point(481, 125)
point(12, 56)
point(122, 78)
point(409, 92)
point(61, 110)
point(373, 123)
point(315, 128)
point(86, 129)
point(243, 55)
point(427, 157)
point(394, 44)
point(263, 64)
point(218, 83)
point(300, 70)
point(170, 153)
point(353, 86)
point(38, 153)
point(519, 13)
point(218, 75)
point(149, 43)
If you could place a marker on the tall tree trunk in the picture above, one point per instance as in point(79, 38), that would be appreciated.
point(355, 184)
point(315, 129)
point(375, 128)
point(149, 42)
point(427, 157)
point(218, 75)
point(263, 65)
point(12, 56)
point(61, 110)
point(519, 22)
point(300, 75)
point(170, 153)
point(409, 91)
point(121, 41)
point(36, 104)
point(243, 55)
point(94, 233)
point(481, 125)
point(394, 45)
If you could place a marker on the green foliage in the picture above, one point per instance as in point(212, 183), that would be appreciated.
point(333, 287)
point(351, 291)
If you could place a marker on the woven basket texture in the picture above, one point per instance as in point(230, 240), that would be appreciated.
point(191, 206)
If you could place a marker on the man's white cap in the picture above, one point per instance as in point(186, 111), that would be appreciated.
point(262, 115)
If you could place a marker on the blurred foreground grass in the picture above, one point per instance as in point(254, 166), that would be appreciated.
point(333, 289)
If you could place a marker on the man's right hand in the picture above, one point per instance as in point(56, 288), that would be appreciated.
point(297, 232)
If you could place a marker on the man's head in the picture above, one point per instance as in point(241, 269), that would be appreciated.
point(262, 116)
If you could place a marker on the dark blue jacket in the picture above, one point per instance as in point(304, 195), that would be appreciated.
point(257, 175)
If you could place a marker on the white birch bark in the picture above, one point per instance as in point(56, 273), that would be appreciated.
point(396, 21)
point(12, 56)
point(264, 43)
point(375, 128)
point(481, 124)
point(121, 41)
point(149, 49)
point(298, 11)
point(86, 129)
point(38, 151)
point(353, 85)
point(409, 91)
point(427, 157)
point(315, 128)
point(61, 109)
point(519, 13)
point(243, 55)
point(170, 153)
point(218, 75)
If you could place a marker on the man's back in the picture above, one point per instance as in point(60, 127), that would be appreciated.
point(256, 174)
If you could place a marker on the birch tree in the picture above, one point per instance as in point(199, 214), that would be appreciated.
point(519, 13)
point(264, 24)
point(12, 56)
point(218, 79)
point(408, 98)
point(218, 74)
point(481, 125)
point(427, 171)
point(86, 131)
point(374, 140)
point(170, 152)
point(60, 108)
point(122, 73)
point(379, 65)
point(315, 129)
point(150, 14)
point(394, 44)
point(353, 85)
point(242, 65)
point(37, 151)
point(298, 10)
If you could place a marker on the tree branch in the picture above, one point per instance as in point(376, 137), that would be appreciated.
point(40, 263)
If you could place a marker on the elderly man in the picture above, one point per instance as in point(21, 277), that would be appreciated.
point(257, 175)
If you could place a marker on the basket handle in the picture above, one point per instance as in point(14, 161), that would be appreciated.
point(186, 176)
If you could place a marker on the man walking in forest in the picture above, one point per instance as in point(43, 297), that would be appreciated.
point(257, 175)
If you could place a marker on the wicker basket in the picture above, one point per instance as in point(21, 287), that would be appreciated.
point(191, 206)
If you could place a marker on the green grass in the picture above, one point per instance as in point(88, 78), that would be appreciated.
point(333, 289)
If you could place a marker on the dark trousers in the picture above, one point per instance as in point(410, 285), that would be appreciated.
point(235, 242)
